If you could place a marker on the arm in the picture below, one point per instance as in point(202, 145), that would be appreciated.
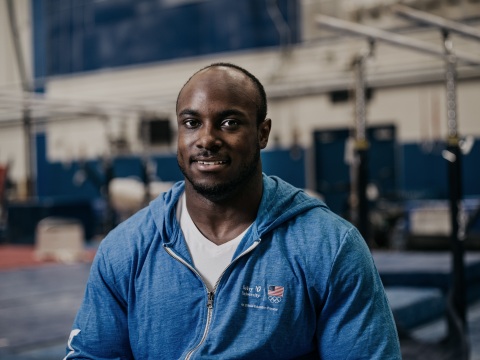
point(100, 329)
point(356, 321)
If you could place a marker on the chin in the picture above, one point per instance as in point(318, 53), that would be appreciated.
point(216, 190)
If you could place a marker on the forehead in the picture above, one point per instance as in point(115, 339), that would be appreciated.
point(221, 84)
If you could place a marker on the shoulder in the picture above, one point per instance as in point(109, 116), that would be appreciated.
point(319, 226)
point(128, 231)
point(326, 242)
point(135, 234)
point(122, 245)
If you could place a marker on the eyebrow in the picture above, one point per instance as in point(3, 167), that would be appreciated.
point(189, 112)
point(222, 114)
point(229, 112)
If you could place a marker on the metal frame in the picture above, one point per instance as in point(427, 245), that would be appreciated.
point(436, 21)
point(458, 332)
point(392, 38)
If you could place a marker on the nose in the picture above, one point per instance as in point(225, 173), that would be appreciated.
point(208, 138)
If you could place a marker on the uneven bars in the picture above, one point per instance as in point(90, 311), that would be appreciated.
point(392, 38)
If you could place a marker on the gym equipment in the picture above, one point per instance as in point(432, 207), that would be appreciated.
point(458, 332)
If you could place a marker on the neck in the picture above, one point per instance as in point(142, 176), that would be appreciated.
point(222, 220)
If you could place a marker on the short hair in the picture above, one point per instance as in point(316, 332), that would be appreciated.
point(262, 96)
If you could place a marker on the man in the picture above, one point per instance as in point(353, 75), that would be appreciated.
point(231, 263)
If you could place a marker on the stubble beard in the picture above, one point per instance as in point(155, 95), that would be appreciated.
point(220, 191)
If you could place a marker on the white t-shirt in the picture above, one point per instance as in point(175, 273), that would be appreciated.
point(209, 259)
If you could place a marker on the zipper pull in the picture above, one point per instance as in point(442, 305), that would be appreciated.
point(210, 299)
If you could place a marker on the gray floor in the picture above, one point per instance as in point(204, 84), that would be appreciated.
point(425, 339)
point(37, 307)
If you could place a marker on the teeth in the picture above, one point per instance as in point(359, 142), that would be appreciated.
point(211, 162)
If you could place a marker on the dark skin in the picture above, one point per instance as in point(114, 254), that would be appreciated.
point(219, 142)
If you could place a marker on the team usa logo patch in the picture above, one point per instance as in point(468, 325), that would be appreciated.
point(275, 293)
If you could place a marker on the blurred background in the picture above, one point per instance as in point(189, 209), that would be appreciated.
point(383, 127)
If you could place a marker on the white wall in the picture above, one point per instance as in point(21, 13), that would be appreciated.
point(418, 110)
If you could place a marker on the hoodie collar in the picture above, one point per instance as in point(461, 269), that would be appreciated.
point(280, 202)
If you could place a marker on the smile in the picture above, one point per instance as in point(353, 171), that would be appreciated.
point(211, 162)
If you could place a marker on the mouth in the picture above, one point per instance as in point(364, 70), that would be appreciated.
point(209, 165)
point(202, 162)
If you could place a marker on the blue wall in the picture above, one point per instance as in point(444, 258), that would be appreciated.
point(57, 180)
point(420, 174)
point(333, 173)
point(81, 35)
point(405, 171)
point(425, 171)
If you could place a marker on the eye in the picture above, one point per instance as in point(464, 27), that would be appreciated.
point(230, 123)
point(191, 123)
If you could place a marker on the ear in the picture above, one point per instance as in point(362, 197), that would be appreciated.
point(264, 132)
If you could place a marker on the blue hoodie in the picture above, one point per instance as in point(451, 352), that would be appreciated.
point(302, 284)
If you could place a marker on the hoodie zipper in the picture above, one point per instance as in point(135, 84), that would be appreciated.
point(210, 294)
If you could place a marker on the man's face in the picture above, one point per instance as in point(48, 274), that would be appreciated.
point(219, 141)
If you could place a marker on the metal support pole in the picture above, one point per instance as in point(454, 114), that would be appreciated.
point(358, 200)
point(27, 120)
point(458, 332)
point(29, 154)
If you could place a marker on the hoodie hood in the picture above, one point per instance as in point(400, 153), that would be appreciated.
point(280, 202)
